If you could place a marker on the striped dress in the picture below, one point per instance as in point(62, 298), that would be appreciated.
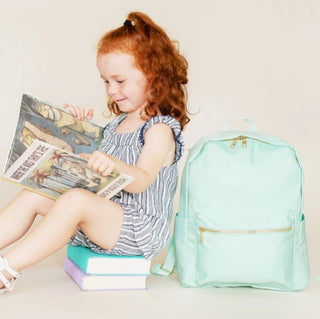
point(147, 215)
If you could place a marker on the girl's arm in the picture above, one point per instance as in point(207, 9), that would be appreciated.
point(157, 152)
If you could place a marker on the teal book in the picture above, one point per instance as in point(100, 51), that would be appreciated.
point(101, 264)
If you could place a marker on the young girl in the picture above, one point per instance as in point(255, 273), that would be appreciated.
point(145, 78)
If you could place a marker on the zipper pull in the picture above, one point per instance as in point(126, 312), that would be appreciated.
point(243, 139)
point(202, 230)
point(234, 143)
point(244, 142)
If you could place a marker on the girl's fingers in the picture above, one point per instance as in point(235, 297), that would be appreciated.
point(84, 155)
point(92, 159)
point(101, 163)
point(89, 115)
point(79, 112)
point(72, 109)
point(105, 169)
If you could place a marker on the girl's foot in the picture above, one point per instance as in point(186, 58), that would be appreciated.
point(8, 276)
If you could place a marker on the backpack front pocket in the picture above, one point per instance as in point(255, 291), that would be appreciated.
point(245, 257)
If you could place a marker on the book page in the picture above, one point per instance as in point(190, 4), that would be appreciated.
point(51, 124)
point(52, 171)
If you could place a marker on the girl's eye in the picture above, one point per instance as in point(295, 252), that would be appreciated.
point(118, 81)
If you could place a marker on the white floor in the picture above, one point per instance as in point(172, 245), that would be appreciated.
point(46, 291)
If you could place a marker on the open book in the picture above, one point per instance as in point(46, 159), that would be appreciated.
point(43, 152)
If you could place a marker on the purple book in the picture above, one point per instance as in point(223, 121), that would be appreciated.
point(103, 282)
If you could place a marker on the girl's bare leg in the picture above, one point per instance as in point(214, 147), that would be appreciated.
point(100, 219)
point(18, 215)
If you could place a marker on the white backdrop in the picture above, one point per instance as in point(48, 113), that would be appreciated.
point(252, 58)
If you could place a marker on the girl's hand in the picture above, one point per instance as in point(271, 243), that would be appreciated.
point(79, 112)
point(100, 162)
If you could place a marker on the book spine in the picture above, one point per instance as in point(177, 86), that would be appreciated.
point(74, 272)
point(79, 256)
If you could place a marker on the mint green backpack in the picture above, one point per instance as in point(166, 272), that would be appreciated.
point(240, 220)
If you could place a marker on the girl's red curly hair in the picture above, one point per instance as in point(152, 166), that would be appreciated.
point(158, 58)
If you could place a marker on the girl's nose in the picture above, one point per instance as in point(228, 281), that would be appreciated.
point(112, 89)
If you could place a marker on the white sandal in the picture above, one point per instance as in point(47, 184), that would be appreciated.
point(8, 283)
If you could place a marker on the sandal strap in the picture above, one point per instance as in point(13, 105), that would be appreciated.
point(5, 266)
point(7, 283)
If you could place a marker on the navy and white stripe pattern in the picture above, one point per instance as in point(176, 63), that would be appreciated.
point(147, 215)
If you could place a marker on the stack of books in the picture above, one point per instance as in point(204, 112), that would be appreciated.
point(93, 271)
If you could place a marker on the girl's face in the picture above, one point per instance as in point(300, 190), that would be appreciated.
point(125, 84)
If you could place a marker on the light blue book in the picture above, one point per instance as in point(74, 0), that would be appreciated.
point(100, 264)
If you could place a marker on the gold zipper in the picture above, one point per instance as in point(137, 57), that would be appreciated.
point(242, 139)
point(202, 230)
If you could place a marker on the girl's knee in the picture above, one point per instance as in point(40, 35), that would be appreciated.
point(29, 195)
point(74, 194)
point(74, 199)
point(37, 199)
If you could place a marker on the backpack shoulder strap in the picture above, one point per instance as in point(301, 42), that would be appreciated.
point(168, 265)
